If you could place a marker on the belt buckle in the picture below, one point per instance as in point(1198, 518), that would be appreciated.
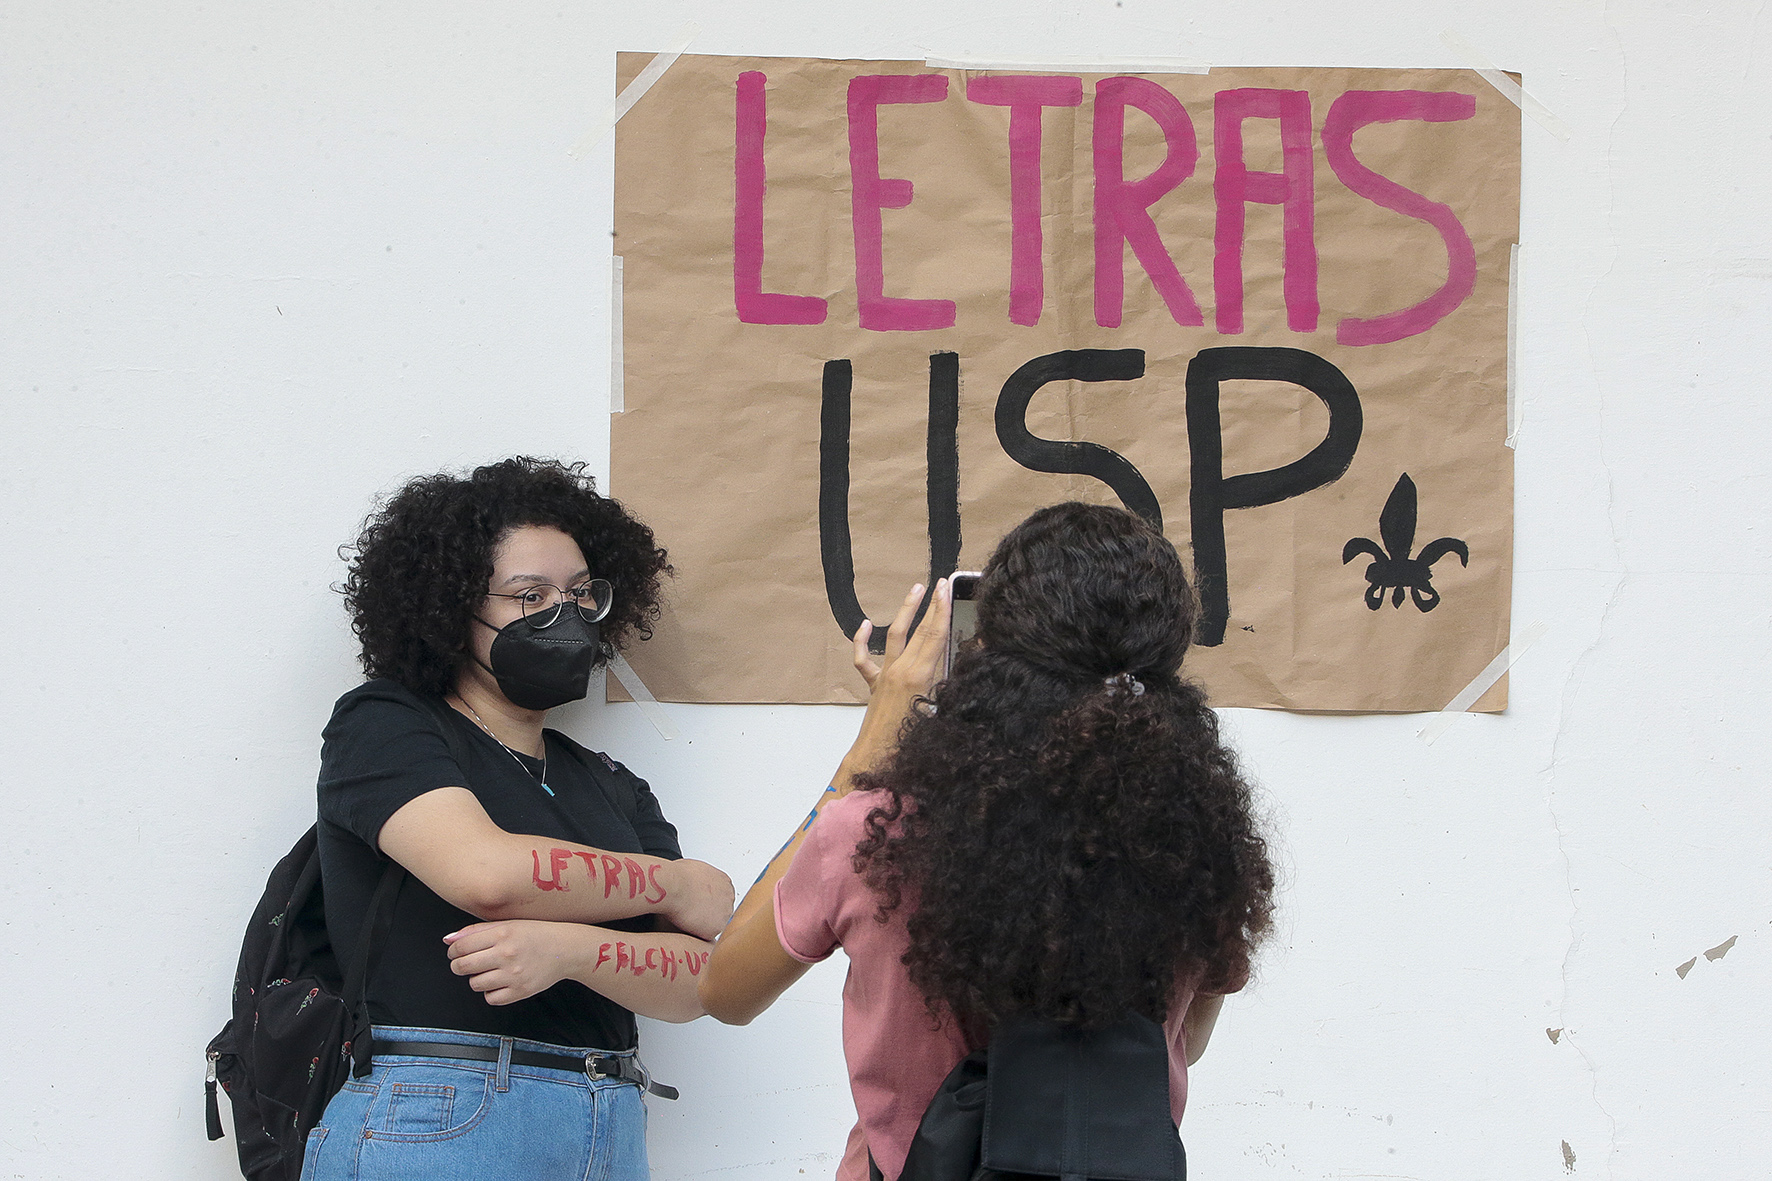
point(621, 1072)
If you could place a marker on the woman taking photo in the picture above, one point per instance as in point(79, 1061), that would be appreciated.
point(546, 901)
point(1054, 831)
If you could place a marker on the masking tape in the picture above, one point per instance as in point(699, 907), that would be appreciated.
point(1468, 695)
point(1513, 328)
point(1510, 90)
point(617, 364)
point(635, 90)
point(630, 680)
point(1074, 65)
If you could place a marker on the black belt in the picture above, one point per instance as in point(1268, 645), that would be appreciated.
point(623, 1067)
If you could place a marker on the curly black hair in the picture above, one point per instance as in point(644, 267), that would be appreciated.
point(419, 568)
point(1065, 829)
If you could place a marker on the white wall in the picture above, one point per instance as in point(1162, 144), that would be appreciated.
point(262, 261)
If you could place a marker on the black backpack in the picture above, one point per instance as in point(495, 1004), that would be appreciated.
point(298, 1020)
point(1047, 1100)
point(301, 1022)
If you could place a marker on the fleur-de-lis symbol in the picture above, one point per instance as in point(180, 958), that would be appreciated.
point(1394, 569)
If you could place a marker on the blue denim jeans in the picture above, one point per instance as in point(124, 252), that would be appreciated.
point(444, 1119)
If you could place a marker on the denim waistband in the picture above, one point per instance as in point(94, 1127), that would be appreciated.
point(462, 1037)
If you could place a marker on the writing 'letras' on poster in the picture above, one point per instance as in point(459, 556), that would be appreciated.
point(874, 314)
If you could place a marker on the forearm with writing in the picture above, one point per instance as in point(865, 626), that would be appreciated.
point(542, 878)
point(655, 975)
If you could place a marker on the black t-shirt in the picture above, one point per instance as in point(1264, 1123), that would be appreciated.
point(382, 750)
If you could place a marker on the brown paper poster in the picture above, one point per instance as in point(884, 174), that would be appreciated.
point(875, 313)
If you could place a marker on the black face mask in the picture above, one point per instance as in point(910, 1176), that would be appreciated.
point(539, 668)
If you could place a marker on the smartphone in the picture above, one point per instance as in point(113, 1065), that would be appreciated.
point(965, 618)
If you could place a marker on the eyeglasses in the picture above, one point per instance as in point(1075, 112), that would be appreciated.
point(543, 602)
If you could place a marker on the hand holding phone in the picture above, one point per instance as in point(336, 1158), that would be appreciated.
point(965, 617)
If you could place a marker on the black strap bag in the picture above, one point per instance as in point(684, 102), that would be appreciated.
point(1047, 1100)
point(298, 1020)
point(301, 1022)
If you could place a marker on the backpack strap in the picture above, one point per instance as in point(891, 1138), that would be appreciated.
point(372, 934)
point(378, 920)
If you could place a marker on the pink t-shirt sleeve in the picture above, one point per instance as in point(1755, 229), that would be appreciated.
point(1179, 1000)
point(806, 897)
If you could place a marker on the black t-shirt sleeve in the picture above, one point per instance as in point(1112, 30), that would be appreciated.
point(633, 798)
point(380, 751)
point(658, 836)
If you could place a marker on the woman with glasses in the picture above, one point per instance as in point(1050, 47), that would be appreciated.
point(1055, 830)
point(545, 900)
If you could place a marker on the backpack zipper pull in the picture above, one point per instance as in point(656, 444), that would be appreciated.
point(211, 1111)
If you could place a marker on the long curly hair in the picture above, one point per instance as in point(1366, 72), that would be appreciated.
point(1065, 830)
point(419, 569)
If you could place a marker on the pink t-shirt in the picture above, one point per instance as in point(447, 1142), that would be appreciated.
point(897, 1056)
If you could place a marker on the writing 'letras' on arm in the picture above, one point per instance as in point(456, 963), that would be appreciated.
point(572, 882)
point(446, 839)
point(556, 868)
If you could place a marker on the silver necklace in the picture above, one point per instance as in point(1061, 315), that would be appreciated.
point(543, 778)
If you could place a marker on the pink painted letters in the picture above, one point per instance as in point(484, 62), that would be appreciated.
point(872, 193)
point(1122, 207)
point(1026, 99)
point(749, 183)
point(1357, 109)
point(1234, 186)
